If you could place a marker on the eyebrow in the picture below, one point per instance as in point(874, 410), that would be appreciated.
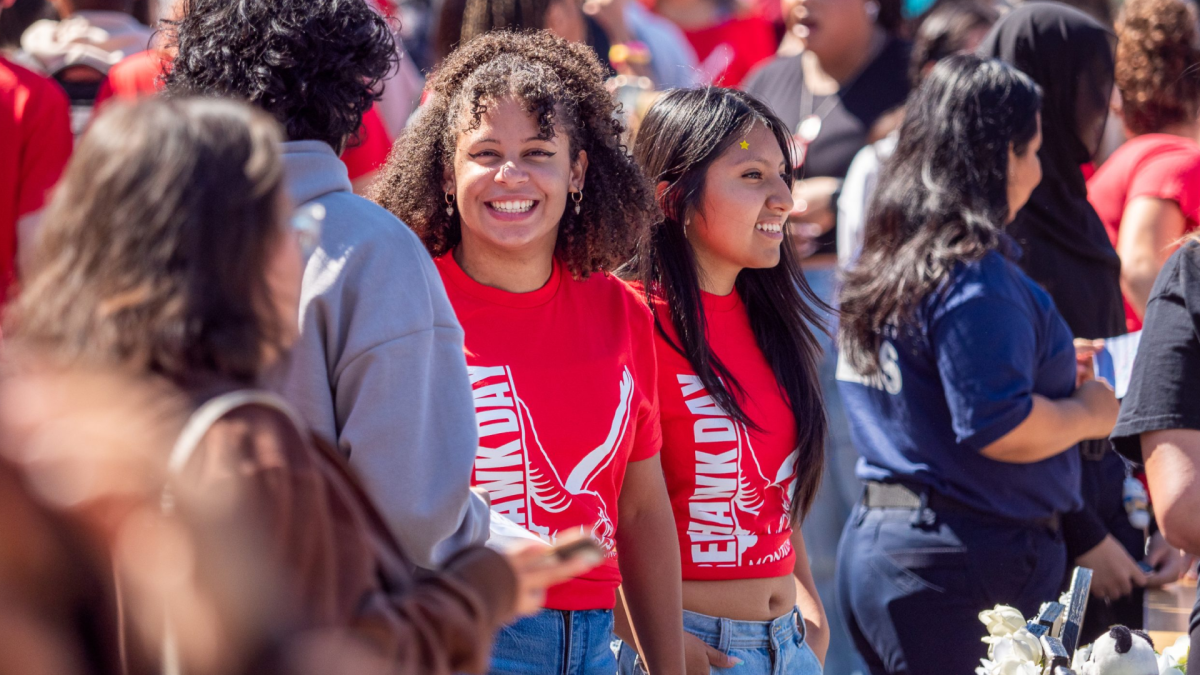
point(527, 140)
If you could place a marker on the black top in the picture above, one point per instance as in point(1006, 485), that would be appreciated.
point(1067, 249)
point(846, 119)
point(1163, 391)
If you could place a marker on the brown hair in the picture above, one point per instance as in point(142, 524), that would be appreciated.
point(1158, 64)
point(561, 83)
point(154, 247)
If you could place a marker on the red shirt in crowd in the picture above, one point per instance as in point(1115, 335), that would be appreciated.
point(35, 143)
point(1162, 166)
point(139, 75)
point(731, 485)
point(564, 385)
point(738, 44)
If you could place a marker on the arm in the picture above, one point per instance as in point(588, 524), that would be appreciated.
point(1054, 426)
point(1150, 227)
point(650, 571)
point(379, 368)
point(816, 625)
point(1172, 459)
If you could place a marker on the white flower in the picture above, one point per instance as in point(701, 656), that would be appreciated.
point(1002, 621)
point(1173, 660)
point(1007, 668)
point(1019, 646)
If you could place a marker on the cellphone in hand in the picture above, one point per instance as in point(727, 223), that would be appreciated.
point(1145, 567)
point(585, 548)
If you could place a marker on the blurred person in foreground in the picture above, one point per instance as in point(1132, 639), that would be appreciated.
point(379, 366)
point(169, 257)
point(35, 124)
point(961, 379)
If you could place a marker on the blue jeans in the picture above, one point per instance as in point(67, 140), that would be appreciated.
point(911, 592)
point(554, 642)
point(765, 647)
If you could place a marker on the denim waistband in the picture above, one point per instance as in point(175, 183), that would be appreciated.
point(726, 634)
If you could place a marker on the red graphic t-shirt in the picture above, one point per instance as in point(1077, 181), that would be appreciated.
point(564, 384)
point(730, 485)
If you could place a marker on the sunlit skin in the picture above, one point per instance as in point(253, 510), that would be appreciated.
point(505, 161)
point(746, 200)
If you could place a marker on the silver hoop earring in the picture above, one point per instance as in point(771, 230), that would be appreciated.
point(577, 197)
point(449, 204)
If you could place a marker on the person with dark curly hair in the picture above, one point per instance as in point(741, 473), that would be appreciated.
point(515, 178)
point(379, 365)
point(1148, 192)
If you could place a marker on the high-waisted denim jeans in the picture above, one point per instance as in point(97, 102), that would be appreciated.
point(764, 647)
point(554, 642)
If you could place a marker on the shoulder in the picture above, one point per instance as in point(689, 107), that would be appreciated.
point(776, 72)
point(627, 298)
point(256, 437)
point(30, 89)
point(993, 280)
point(360, 232)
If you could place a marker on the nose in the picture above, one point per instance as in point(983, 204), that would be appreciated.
point(510, 174)
point(780, 200)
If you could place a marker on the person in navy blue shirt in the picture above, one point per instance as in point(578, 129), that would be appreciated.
point(962, 384)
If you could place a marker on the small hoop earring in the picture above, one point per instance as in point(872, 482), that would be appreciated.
point(449, 204)
point(577, 197)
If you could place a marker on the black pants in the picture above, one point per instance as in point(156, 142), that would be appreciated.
point(1103, 485)
point(912, 593)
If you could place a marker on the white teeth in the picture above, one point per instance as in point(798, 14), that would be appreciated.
point(769, 227)
point(513, 206)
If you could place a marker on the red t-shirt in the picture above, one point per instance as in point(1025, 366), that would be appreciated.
point(1151, 165)
point(731, 485)
point(35, 144)
point(138, 75)
point(744, 43)
point(565, 397)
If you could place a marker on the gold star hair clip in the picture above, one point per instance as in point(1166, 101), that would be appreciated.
point(745, 145)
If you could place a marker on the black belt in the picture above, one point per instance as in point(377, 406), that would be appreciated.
point(898, 496)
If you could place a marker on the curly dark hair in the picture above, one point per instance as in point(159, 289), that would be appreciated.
point(316, 65)
point(1158, 64)
point(561, 83)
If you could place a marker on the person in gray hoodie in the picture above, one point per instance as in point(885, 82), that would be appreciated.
point(379, 366)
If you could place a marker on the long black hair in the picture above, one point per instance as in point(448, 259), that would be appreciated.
point(681, 136)
point(942, 198)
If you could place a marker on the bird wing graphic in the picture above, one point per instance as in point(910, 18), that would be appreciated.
point(545, 487)
point(597, 460)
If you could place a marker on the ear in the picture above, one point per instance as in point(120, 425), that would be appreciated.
point(660, 190)
point(448, 181)
point(579, 170)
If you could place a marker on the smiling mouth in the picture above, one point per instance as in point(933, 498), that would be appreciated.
point(773, 228)
point(513, 205)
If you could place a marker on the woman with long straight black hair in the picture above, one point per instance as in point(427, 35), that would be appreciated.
point(742, 417)
point(961, 383)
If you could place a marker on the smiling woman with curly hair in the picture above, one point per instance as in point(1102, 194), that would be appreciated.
point(515, 179)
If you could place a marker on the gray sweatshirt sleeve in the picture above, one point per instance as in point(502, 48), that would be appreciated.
point(380, 368)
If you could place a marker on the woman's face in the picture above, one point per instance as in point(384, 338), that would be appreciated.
point(829, 27)
point(285, 272)
point(745, 204)
point(1024, 173)
point(512, 186)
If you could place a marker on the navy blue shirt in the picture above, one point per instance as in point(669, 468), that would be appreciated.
point(958, 378)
